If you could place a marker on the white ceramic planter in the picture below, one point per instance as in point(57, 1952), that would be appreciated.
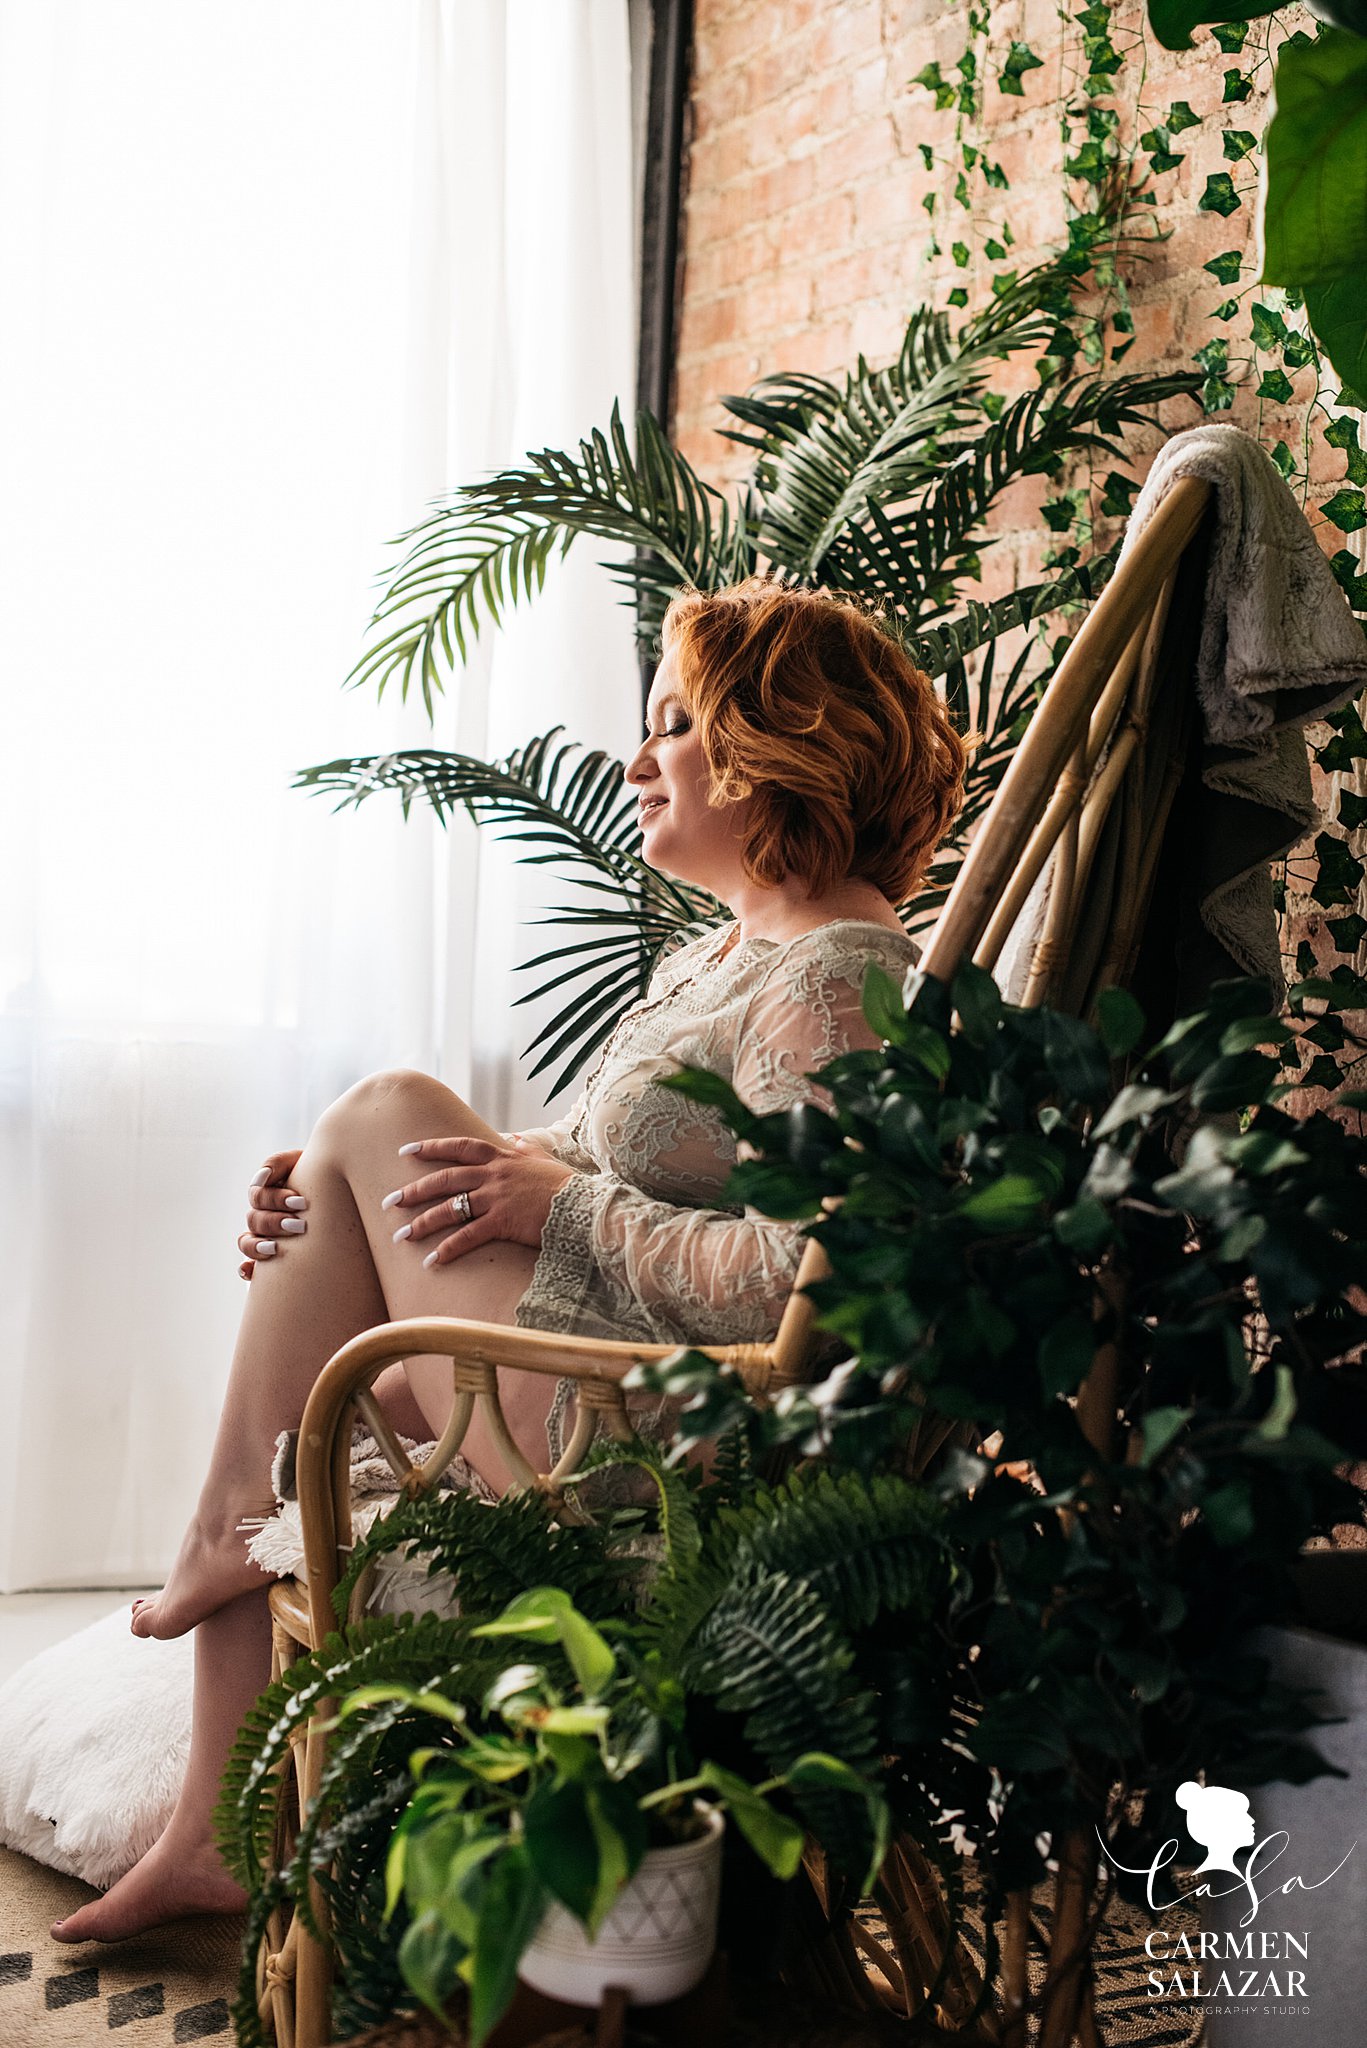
point(655, 1944)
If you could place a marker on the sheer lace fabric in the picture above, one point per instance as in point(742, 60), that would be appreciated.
point(638, 1244)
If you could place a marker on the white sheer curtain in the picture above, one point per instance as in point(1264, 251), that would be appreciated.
point(273, 278)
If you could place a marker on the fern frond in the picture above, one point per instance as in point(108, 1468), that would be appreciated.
point(769, 1650)
point(867, 1547)
point(412, 1649)
point(678, 1514)
point(494, 1551)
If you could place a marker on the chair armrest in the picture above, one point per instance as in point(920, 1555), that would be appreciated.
point(477, 1352)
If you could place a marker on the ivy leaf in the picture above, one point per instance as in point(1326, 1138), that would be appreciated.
point(1283, 459)
point(1340, 875)
point(1346, 510)
point(1349, 744)
point(1298, 351)
point(1232, 35)
point(1343, 433)
point(1161, 156)
point(1226, 310)
point(1237, 86)
point(1219, 195)
point(1180, 116)
point(1226, 267)
point(1269, 330)
point(932, 79)
point(1238, 143)
point(959, 251)
point(1275, 384)
point(1020, 58)
point(1347, 933)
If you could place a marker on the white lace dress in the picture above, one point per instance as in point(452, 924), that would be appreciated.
point(638, 1244)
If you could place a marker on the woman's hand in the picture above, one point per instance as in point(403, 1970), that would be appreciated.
point(508, 1183)
point(272, 1209)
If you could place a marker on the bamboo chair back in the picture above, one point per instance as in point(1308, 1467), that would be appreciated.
point(1092, 785)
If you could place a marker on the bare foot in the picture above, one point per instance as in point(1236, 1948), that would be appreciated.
point(212, 1569)
point(166, 1885)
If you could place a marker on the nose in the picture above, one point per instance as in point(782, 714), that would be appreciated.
point(641, 767)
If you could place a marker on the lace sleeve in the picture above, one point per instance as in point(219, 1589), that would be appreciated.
point(556, 1138)
point(717, 1275)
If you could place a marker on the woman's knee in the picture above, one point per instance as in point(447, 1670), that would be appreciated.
point(378, 1097)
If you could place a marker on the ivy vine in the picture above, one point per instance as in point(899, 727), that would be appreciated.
point(1116, 150)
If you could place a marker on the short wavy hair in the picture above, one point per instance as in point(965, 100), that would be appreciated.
point(806, 702)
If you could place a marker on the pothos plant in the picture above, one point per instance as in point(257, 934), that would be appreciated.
point(555, 1790)
point(1138, 1361)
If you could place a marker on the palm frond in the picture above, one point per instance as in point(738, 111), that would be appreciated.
point(570, 806)
point(948, 644)
point(913, 554)
point(489, 543)
point(823, 452)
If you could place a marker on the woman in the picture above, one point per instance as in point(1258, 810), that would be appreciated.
point(800, 768)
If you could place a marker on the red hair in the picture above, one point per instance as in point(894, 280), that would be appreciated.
point(806, 703)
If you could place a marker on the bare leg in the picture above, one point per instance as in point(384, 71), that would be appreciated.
point(343, 1276)
point(182, 1872)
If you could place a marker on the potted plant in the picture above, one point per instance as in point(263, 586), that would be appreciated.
point(753, 1627)
point(565, 1832)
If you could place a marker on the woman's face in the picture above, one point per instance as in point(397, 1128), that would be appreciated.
point(682, 833)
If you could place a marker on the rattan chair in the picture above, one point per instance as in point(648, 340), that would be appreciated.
point(1094, 786)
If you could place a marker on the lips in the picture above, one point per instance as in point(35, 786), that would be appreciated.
point(648, 806)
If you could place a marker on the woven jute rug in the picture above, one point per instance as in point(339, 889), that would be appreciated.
point(155, 1990)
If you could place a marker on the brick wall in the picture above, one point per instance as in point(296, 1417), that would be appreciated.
point(805, 237)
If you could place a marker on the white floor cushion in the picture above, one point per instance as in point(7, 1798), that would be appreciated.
point(94, 1740)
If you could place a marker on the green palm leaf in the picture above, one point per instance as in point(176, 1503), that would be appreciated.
point(915, 553)
point(569, 806)
point(488, 544)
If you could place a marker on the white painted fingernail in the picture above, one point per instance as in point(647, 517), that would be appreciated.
point(390, 1200)
point(265, 1248)
point(404, 1230)
point(431, 1259)
point(295, 1225)
point(296, 1201)
point(261, 1178)
point(407, 1151)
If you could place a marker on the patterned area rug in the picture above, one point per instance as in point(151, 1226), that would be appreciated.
point(156, 1990)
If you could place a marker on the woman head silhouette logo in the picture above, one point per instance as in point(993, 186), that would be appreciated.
point(1219, 1820)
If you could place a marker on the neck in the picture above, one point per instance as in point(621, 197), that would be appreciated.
point(785, 911)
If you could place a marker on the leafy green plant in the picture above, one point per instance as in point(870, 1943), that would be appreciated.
point(743, 1632)
point(1011, 1212)
point(881, 483)
point(556, 1792)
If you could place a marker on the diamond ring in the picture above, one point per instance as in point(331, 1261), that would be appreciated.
point(461, 1206)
